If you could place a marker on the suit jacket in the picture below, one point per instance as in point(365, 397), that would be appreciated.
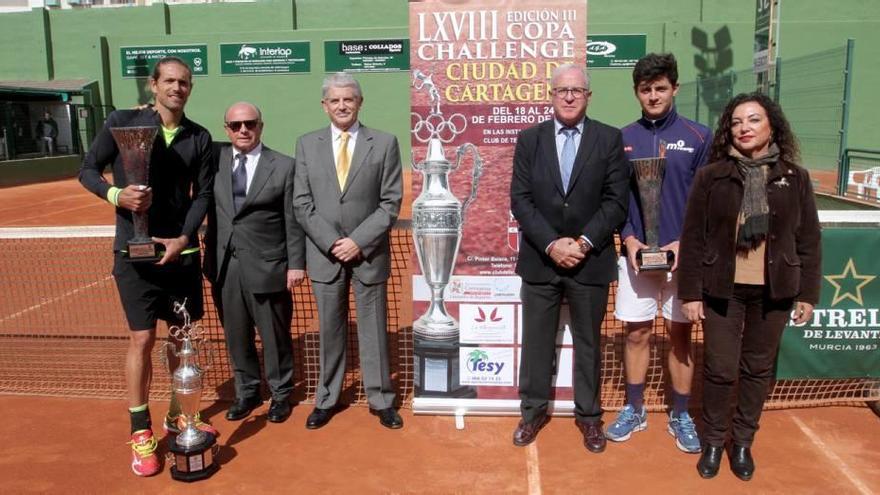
point(595, 204)
point(365, 210)
point(264, 235)
point(707, 257)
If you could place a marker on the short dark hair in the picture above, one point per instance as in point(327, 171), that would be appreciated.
point(789, 151)
point(168, 60)
point(653, 66)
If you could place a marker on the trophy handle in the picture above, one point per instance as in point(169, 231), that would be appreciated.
point(208, 353)
point(413, 162)
point(475, 176)
point(164, 350)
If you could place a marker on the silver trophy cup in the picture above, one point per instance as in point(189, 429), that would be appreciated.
point(193, 450)
point(438, 217)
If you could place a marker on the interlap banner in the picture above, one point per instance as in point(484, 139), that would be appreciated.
point(480, 74)
point(842, 338)
point(265, 58)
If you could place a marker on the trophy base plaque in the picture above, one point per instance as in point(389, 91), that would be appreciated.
point(142, 252)
point(655, 259)
point(435, 370)
point(196, 462)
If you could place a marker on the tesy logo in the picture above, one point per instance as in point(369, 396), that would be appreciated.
point(478, 361)
point(601, 48)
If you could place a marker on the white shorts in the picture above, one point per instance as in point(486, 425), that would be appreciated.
point(638, 294)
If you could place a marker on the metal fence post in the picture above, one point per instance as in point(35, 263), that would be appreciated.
point(842, 166)
point(777, 80)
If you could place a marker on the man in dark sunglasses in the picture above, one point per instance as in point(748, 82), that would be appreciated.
point(255, 257)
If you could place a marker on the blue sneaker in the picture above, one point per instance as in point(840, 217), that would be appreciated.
point(627, 422)
point(685, 433)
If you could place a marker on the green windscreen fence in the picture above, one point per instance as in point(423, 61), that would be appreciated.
point(811, 91)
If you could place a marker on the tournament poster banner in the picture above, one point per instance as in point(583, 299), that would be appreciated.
point(480, 73)
point(842, 339)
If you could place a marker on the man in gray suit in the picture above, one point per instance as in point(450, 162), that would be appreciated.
point(255, 257)
point(347, 197)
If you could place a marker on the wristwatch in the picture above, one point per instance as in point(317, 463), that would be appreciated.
point(583, 244)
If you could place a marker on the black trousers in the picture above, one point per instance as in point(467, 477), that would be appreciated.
point(541, 305)
point(741, 336)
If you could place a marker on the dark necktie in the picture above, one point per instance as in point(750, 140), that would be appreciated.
point(239, 182)
point(568, 152)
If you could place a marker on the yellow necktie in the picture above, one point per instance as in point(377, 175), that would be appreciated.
point(343, 161)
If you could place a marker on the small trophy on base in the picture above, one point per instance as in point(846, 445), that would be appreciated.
point(193, 451)
point(135, 145)
point(649, 174)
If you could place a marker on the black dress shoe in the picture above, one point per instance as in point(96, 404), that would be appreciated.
point(710, 461)
point(741, 462)
point(526, 433)
point(279, 410)
point(241, 408)
point(594, 436)
point(389, 418)
point(318, 418)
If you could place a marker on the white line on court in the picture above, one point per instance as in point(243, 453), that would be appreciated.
point(834, 458)
point(533, 469)
point(54, 299)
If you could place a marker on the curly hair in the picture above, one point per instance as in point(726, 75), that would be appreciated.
point(781, 131)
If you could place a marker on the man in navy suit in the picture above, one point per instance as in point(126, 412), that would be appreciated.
point(569, 192)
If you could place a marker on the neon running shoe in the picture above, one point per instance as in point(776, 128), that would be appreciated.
point(176, 425)
point(685, 433)
point(627, 422)
point(144, 461)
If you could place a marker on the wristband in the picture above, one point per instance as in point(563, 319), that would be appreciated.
point(113, 195)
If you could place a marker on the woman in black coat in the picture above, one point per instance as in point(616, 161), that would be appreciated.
point(750, 254)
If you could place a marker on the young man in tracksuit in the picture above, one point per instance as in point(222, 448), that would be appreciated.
point(685, 144)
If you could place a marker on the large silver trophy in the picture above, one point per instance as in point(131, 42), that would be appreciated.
point(649, 174)
point(193, 451)
point(135, 145)
point(438, 217)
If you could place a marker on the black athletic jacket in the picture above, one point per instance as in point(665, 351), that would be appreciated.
point(180, 175)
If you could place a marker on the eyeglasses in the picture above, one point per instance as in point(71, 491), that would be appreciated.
point(576, 93)
point(235, 125)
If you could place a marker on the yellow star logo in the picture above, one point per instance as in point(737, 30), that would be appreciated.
point(849, 276)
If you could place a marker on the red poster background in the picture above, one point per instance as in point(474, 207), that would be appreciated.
point(490, 62)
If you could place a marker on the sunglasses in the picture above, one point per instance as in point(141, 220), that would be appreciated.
point(235, 125)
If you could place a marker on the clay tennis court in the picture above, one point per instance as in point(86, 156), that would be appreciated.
point(77, 445)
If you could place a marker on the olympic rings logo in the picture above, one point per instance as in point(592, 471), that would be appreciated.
point(436, 126)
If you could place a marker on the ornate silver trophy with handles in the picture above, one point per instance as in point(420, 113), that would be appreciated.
point(135, 145)
point(648, 174)
point(193, 451)
point(438, 217)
